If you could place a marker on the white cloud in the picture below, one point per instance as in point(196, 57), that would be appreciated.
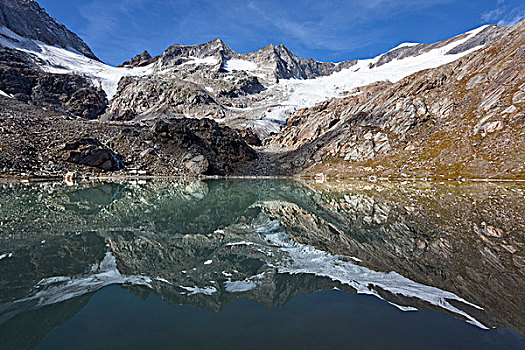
point(504, 15)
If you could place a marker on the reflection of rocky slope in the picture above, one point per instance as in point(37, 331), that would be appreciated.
point(181, 242)
point(464, 118)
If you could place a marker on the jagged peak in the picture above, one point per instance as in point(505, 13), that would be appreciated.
point(29, 20)
point(139, 60)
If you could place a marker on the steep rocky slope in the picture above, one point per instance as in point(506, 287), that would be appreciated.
point(23, 81)
point(26, 18)
point(466, 118)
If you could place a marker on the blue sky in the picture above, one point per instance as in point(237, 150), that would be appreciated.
point(335, 30)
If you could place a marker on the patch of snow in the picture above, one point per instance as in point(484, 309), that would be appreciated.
point(60, 288)
point(6, 255)
point(238, 64)
point(404, 308)
point(209, 89)
point(196, 290)
point(207, 262)
point(239, 243)
point(244, 285)
point(208, 61)
point(239, 286)
point(160, 279)
point(404, 45)
point(52, 280)
point(5, 94)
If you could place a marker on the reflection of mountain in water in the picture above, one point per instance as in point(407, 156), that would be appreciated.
point(452, 247)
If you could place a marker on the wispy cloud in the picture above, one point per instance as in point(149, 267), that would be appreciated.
point(504, 14)
point(332, 30)
point(337, 25)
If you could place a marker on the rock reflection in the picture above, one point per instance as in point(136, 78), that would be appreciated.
point(452, 247)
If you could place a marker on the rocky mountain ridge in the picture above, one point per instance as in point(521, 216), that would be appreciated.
point(385, 114)
point(26, 18)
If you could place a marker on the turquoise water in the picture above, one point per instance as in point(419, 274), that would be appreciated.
point(262, 265)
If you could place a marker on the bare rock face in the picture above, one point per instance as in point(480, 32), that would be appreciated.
point(140, 60)
point(249, 136)
point(161, 96)
point(26, 18)
point(285, 65)
point(461, 119)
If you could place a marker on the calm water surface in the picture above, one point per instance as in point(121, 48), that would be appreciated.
point(262, 265)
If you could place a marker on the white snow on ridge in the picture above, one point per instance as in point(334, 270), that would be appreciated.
point(307, 93)
point(238, 64)
point(5, 94)
point(403, 45)
point(61, 61)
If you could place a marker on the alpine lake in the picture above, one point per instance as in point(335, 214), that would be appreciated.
point(262, 264)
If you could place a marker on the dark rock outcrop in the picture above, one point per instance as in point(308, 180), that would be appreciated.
point(249, 136)
point(34, 146)
point(140, 60)
point(91, 152)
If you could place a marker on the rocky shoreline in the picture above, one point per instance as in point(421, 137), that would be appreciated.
point(52, 147)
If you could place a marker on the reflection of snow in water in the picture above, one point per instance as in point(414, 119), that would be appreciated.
point(196, 290)
point(309, 260)
point(243, 286)
point(289, 257)
point(57, 289)
point(6, 255)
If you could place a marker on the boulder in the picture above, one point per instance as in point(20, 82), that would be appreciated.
point(91, 152)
